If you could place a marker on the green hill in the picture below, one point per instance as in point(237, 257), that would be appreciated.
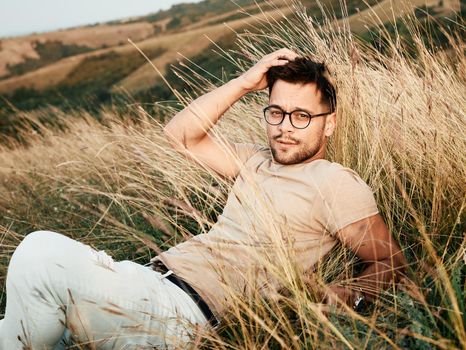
point(95, 79)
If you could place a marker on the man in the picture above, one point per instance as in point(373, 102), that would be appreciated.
point(288, 207)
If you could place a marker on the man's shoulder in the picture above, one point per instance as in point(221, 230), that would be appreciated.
point(330, 168)
point(329, 175)
point(346, 197)
point(323, 169)
point(245, 151)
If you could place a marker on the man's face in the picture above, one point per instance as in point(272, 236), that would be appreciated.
point(288, 144)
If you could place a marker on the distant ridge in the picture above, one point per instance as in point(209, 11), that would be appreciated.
point(45, 62)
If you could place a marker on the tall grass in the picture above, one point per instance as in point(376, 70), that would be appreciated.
point(401, 124)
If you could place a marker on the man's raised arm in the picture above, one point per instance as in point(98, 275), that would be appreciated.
point(188, 131)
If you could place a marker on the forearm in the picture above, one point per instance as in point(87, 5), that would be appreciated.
point(378, 276)
point(193, 123)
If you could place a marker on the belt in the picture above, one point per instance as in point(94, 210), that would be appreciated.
point(159, 266)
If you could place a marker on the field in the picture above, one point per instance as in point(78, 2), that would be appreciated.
point(187, 39)
point(110, 180)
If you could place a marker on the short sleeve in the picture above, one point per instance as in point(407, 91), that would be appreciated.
point(347, 199)
point(244, 151)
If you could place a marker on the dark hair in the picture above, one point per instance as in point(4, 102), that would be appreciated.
point(303, 70)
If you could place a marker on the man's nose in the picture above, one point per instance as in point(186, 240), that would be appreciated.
point(286, 125)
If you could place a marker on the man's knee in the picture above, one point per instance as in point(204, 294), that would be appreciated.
point(35, 248)
point(39, 237)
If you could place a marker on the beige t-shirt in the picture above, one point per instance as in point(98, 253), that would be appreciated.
point(275, 216)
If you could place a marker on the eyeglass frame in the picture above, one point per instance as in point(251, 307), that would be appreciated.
point(290, 113)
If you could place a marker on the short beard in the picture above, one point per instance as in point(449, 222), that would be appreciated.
point(297, 158)
point(301, 155)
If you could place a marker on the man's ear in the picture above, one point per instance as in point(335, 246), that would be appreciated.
point(330, 124)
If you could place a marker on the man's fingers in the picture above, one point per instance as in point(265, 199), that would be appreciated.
point(278, 58)
point(253, 79)
point(284, 53)
point(278, 62)
point(287, 53)
point(324, 308)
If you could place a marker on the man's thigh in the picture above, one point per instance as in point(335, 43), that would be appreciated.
point(113, 305)
point(131, 305)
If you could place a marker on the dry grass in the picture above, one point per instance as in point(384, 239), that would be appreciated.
point(401, 127)
point(386, 11)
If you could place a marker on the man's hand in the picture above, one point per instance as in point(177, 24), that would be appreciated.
point(255, 79)
point(335, 295)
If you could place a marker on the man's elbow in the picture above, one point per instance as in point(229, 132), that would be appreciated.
point(169, 131)
point(175, 138)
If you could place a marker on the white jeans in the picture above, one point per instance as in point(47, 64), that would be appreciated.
point(55, 284)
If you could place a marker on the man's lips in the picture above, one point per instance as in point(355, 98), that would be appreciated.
point(286, 142)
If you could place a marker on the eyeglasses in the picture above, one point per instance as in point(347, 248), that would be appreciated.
point(274, 115)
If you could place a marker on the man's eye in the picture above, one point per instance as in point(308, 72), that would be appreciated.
point(302, 115)
point(276, 113)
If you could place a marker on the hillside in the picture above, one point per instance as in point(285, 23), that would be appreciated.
point(188, 42)
point(90, 65)
point(18, 55)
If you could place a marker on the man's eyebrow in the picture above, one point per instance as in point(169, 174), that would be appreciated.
point(302, 109)
point(294, 108)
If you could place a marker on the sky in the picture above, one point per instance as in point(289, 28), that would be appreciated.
point(20, 17)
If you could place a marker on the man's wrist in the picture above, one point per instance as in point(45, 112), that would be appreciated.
point(241, 84)
point(350, 295)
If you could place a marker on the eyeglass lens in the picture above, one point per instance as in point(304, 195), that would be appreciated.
point(275, 116)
